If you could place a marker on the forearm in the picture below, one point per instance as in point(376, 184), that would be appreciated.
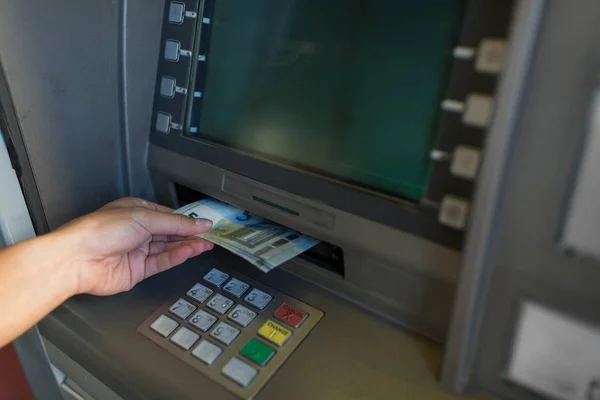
point(35, 277)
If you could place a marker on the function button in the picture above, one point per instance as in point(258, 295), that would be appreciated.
point(275, 333)
point(207, 352)
point(257, 351)
point(465, 162)
point(172, 48)
point(258, 298)
point(454, 212)
point(163, 122)
point(491, 56)
point(203, 320)
point(236, 287)
point(185, 338)
point(216, 277)
point(176, 10)
point(290, 315)
point(220, 303)
point(239, 372)
point(182, 308)
point(478, 110)
point(164, 326)
point(167, 86)
point(225, 333)
point(199, 293)
point(242, 315)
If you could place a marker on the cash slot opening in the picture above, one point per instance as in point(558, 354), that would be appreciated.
point(324, 255)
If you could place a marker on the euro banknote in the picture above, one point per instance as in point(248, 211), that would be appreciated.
point(263, 243)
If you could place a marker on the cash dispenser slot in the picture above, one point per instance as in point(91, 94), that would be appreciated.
point(324, 255)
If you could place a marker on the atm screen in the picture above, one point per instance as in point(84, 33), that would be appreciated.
point(349, 89)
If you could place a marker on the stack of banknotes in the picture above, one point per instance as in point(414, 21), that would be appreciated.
point(263, 243)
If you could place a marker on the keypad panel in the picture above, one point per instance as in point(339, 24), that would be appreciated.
point(232, 328)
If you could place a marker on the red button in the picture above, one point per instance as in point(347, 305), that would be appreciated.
point(290, 315)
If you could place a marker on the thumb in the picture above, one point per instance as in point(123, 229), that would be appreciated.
point(163, 223)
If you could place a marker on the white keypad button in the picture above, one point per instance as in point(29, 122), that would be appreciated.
point(491, 56)
point(203, 320)
point(465, 162)
point(216, 277)
point(454, 212)
point(164, 325)
point(242, 316)
point(225, 333)
point(258, 298)
point(199, 293)
point(207, 352)
point(182, 308)
point(236, 287)
point(478, 110)
point(220, 303)
point(185, 338)
point(239, 372)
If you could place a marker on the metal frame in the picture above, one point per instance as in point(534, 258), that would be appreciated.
point(476, 268)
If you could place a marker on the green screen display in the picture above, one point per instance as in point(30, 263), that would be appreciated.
point(345, 88)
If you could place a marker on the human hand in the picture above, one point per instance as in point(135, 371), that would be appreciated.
point(127, 241)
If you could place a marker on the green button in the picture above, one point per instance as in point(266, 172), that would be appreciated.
point(257, 351)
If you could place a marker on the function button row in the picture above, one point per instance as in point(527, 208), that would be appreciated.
point(182, 308)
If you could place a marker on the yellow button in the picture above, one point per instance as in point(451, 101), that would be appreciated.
point(274, 332)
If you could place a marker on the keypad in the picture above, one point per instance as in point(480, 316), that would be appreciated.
point(199, 293)
point(182, 308)
point(258, 298)
point(235, 287)
point(203, 320)
point(231, 328)
point(242, 315)
point(225, 333)
point(216, 277)
point(220, 303)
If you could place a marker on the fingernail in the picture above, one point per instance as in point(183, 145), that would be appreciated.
point(203, 223)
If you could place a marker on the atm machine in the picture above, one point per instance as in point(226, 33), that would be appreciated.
point(443, 151)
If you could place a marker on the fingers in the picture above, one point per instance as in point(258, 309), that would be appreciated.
point(174, 254)
point(160, 223)
point(160, 247)
point(130, 202)
point(170, 238)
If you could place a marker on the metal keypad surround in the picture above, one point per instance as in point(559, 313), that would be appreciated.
point(198, 357)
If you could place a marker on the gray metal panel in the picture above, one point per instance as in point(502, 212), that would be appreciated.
point(528, 262)
point(476, 269)
point(82, 75)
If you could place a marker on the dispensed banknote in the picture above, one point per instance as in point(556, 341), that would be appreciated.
point(263, 243)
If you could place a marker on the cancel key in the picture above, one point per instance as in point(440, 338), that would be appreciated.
point(290, 315)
